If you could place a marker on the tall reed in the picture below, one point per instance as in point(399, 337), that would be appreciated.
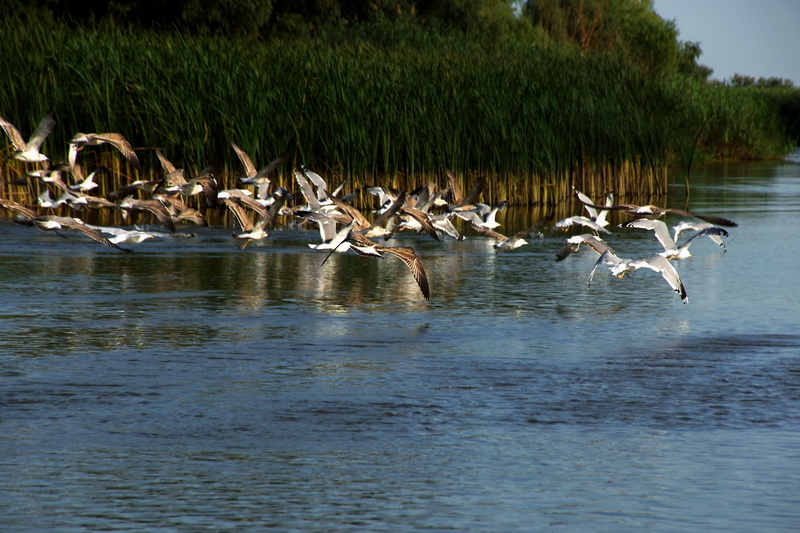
point(525, 117)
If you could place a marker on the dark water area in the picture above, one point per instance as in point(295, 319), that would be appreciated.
point(191, 386)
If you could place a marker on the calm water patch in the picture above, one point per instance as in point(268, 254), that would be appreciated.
point(192, 386)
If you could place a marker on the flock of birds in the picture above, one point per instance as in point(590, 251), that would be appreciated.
point(342, 227)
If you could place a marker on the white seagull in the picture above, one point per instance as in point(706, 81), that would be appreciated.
point(671, 249)
point(621, 267)
point(598, 217)
point(690, 225)
point(29, 151)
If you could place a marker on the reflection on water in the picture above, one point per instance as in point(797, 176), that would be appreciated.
point(193, 386)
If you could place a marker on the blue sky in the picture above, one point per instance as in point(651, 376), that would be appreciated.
point(759, 38)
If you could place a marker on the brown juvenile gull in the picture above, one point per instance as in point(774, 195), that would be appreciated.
point(55, 223)
point(80, 140)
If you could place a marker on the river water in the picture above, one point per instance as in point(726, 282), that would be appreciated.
point(190, 386)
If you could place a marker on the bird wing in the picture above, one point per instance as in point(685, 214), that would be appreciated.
point(456, 197)
point(667, 271)
point(120, 143)
point(13, 134)
point(595, 243)
point(307, 190)
point(414, 263)
point(78, 224)
point(423, 220)
point(240, 214)
point(476, 191)
point(159, 210)
point(42, 131)
point(499, 237)
point(166, 164)
point(358, 217)
point(713, 219)
point(319, 183)
point(247, 163)
point(658, 227)
point(587, 203)
point(606, 258)
point(18, 208)
point(275, 163)
point(714, 233)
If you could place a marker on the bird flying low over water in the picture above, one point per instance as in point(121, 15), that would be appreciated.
point(24, 213)
point(689, 225)
point(250, 231)
point(29, 151)
point(55, 223)
point(365, 247)
point(503, 242)
point(671, 249)
point(622, 267)
point(598, 217)
point(566, 223)
point(573, 244)
point(95, 139)
point(655, 211)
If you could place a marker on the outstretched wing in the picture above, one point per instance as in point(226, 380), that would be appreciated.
point(414, 263)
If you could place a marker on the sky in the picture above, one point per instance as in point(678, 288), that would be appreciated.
point(758, 38)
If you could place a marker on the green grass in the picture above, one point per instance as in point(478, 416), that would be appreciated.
point(533, 119)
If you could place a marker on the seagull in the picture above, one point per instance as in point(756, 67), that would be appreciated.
point(245, 197)
point(135, 236)
point(442, 223)
point(621, 267)
point(327, 232)
point(29, 152)
point(367, 248)
point(503, 242)
point(87, 183)
point(80, 140)
point(147, 186)
point(696, 226)
point(481, 214)
point(655, 211)
point(672, 250)
point(153, 206)
point(573, 244)
point(598, 217)
point(319, 201)
point(179, 210)
point(204, 183)
point(55, 223)
point(259, 178)
point(456, 198)
point(22, 211)
point(386, 196)
point(45, 200)
point(250, 231)
point(566, 223)
point(175, 178)
point(419, 221)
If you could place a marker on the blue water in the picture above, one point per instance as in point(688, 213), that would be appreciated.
point(190, 386)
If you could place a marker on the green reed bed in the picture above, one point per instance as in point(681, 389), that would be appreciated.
point(533, 120)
